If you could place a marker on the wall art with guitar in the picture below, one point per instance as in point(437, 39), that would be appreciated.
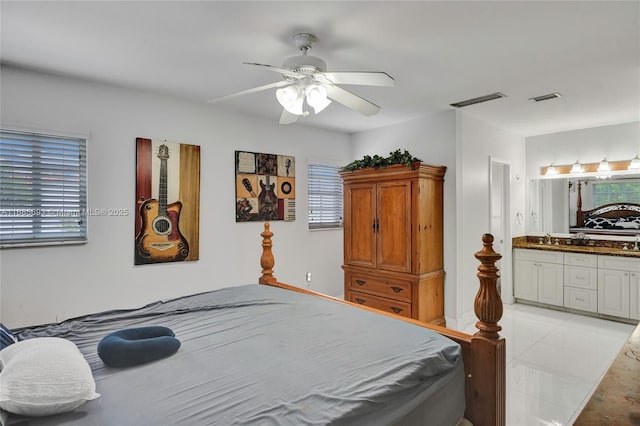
point(167, 202)
point(265, 187)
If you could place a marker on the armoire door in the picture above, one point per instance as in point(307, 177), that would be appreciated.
point(360, 222)
point(393, 227)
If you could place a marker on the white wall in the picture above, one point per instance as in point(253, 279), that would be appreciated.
point(617, 142)
point(46, 284)
point(477, 141)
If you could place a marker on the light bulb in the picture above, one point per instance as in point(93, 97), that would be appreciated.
point(551, 170)
point(317, 97)
point(291, 98)
point(634, 164)
point(604, 166)
point(576, 168)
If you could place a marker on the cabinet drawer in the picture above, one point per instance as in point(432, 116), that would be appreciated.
point(387, 305)
point(619, 263)
point(579, 298)
point(579, 259)
point(539, 255)
point(387, 287)
point(580, 276)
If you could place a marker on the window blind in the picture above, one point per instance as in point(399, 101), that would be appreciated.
point(43, 189)
point(325, 196)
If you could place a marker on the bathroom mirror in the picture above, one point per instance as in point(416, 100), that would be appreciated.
point(590, 205)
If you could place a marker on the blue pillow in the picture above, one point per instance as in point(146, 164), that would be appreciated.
point(6, 337)
point(134, 346)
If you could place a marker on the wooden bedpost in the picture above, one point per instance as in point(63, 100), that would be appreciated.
point(488, 369)
point(266, 260)
point(579, 213)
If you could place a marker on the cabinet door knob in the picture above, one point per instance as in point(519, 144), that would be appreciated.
point(361, 282)
point(360, 301)
point(396, 310)
point(396, 289)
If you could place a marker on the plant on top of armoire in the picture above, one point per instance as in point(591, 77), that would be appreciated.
point(395, 157)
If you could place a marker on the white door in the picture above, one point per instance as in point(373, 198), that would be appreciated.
point(526, 280)
point(550, 284)
point(613, 292)
point(499, 226)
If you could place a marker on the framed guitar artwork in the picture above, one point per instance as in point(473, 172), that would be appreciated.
point(265, 187)
point(167, 202)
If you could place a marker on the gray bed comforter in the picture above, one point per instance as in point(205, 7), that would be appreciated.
point(260, 355)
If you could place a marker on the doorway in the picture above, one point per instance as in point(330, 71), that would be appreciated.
point(499, 222)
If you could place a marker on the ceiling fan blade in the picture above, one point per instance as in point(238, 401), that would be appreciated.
point(282, 71)
point(352, 101)
point(254, 90)
point(361, 78)
point(287, 117)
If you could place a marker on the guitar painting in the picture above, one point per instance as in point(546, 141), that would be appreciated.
point(159, 238)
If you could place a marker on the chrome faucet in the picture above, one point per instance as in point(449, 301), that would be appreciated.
point(548, 238)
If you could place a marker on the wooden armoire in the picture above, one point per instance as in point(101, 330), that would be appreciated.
point(393, 258)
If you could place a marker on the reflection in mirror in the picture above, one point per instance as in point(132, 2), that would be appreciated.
point(589, 205)
point(605, 206)
point(548, 206)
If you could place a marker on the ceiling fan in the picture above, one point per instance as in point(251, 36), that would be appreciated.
point(306, 84)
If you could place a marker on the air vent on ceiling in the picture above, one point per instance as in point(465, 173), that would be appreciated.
point(553, 95)
point(478, 100)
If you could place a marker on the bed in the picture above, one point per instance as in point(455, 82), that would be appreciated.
point(615, 218)
point(275, 354)
point(612, 219)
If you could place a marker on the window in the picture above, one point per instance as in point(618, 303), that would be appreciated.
point(616, 192)
point(325, 196)
point(43, 189)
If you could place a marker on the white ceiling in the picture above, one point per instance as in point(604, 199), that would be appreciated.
point(438, 53)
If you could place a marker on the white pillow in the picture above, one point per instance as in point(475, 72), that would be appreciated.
point(44, 376)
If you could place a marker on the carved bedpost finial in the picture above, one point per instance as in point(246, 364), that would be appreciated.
point(266, 260)
point(488, 305)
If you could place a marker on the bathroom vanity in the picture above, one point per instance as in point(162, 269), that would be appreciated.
point(594, 277)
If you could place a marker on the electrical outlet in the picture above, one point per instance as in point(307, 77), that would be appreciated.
point(308, 277)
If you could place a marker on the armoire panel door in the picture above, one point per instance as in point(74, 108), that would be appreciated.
point(393, 229)
point(360, 215)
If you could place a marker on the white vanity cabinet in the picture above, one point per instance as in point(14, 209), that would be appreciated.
point(539, 276)
point(581, 281)
point(602, 284)
point(615, 278)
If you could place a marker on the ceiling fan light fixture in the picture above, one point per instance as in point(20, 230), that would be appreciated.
point(317, 97)
point(291, 98)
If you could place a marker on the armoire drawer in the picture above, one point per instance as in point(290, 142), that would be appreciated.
point(386, 287)
point(387, 305)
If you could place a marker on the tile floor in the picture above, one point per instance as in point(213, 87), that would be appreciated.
point(554, 362)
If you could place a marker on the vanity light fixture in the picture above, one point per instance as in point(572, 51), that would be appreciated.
point(577, 168)
point(602, 170)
